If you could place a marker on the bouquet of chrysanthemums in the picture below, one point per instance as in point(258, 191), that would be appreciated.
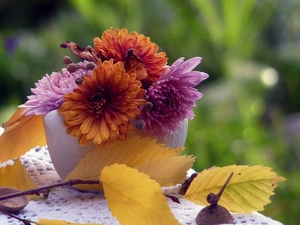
point(122, 82)
point(121, 85)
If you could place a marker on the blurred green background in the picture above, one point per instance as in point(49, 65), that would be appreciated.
point(250, 110)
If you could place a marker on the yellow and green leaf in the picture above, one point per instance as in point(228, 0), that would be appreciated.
point(249, 189)
point(133, 152)
point(134, 198)
point(16, 176)
point(21, 133)
point(167, 171)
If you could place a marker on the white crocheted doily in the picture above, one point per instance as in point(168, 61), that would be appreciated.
point(77, 206)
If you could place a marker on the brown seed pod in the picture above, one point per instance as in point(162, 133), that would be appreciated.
point(140, 124)
point(67, 60)
point(148, 106)
point(90, 66)
point(214, 213)
point(12, 205)
point(79, 80)
point(72, 67)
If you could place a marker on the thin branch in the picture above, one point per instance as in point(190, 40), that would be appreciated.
point(25, 222)
point(173, 198)
point(46, 189)
point(224, 186)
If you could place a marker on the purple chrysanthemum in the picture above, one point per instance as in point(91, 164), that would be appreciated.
point(173, 96)
point(49, 91)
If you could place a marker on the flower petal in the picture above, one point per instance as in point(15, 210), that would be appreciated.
point(172, 97)
point(100, 108)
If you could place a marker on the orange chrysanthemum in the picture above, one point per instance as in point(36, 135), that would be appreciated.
point(100, 108)
point(135, 50)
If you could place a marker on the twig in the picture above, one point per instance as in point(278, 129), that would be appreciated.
point(173, 198)
point(224, 186)
point(25, 222)
point(46, 189)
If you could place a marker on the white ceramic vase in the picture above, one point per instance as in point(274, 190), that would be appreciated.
point(65, 152)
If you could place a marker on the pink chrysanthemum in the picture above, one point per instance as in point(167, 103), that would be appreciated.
point(172, 98)
point(49, 91)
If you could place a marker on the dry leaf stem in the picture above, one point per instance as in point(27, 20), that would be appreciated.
point(225, 185)
point(45, 190)
point(25, 222)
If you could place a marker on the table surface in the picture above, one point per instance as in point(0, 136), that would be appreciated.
point(76, 206)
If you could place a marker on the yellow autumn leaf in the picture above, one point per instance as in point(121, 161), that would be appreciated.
point(132, 152)
point(16, 176)
point(61, 222)
point(21, 133)
point(248, 190)
point(167, 171)
point(134, 198)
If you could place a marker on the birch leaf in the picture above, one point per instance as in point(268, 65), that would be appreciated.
point(134, 198)
point(167, 171)
point(16, 176)
point(61, 222)
point(132, 152)
point(21, 133)
point(248, 190)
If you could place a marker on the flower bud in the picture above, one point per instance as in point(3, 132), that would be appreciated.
point(79, 80)
point(148, 106)
point(140, 124)
point(72, 67)
point(67, 60)
point(90, 66)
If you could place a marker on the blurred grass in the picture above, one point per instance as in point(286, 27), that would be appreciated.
point(240, 120)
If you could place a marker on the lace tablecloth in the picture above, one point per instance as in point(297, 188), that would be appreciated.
point(84, 207)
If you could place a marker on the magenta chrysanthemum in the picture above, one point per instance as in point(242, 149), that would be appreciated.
point(173, 96)
point(49, 91)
